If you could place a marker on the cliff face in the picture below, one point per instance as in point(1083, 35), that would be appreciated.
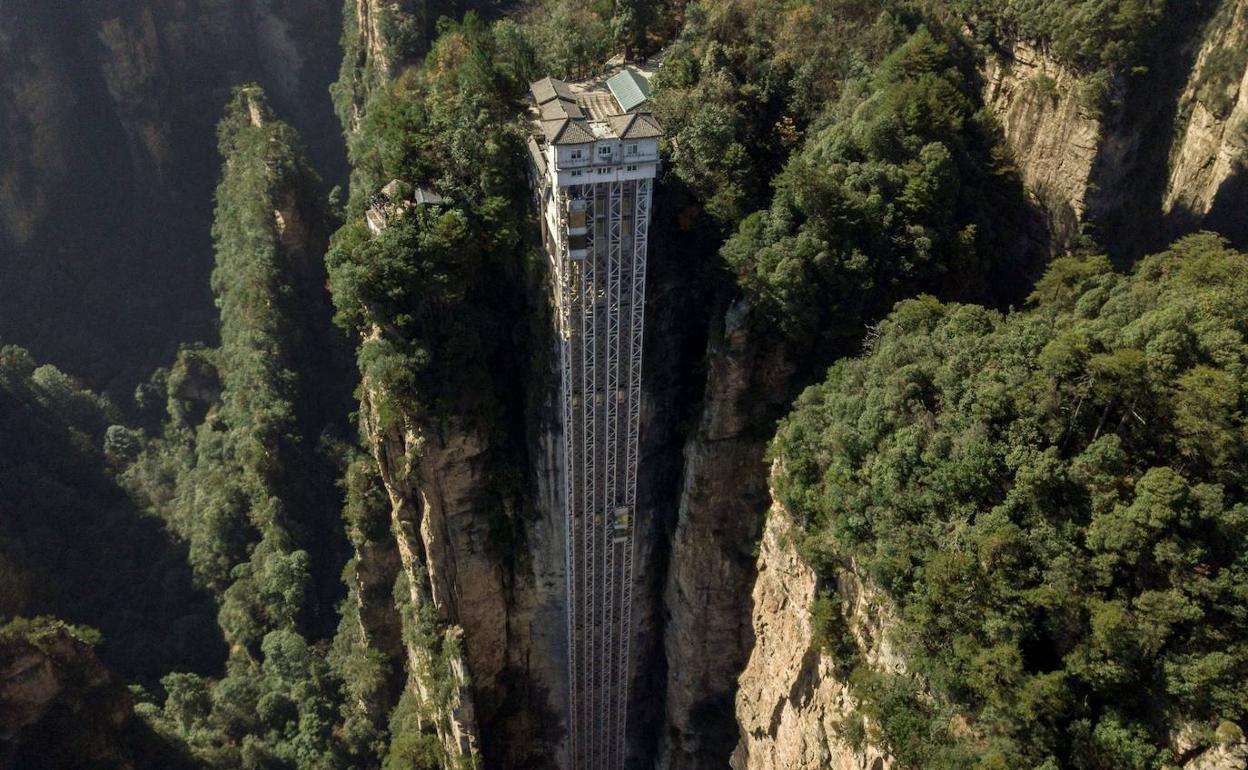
point(107, 162)
point(1055, 141)
point(489, 568)
point(493, 568)
point(1164, 157)
point(790, 705)
point(1209, 159)
point(414, 519)
point(724, 493)
point(381, 36)
point(59, 706)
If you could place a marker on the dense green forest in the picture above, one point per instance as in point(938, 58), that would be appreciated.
point(1054, 501)
point(243, 464)
point(73, 544)
point(1035, 460)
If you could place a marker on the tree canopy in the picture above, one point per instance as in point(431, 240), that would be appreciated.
point(1055, 501)
point(904, 187)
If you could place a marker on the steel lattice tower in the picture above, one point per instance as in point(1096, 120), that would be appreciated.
point(594, 172)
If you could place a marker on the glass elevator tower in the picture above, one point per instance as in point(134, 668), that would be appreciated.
point(594, 159)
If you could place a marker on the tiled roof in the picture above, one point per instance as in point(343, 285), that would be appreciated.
point(536, 155)
point(567, 131)
point(556, 109)
point(548, 89)
point(629, 89)
point(635, 125)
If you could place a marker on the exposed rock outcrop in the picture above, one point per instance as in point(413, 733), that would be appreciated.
point(1210, 154)
point(403, 458)
point(1055, 141)
point(791, 704)
point(708, 635)
point(793, 710)
point(1233, 756)
point(497, 601)
point(59, 706)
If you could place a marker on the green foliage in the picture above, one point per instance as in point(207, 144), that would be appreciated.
point(1089, 34)
point(900, 191)
point(402, 32)
point(412, 748)
point(433, 297)
point(282, 712)
point(1221, 72)
point(424, 294)
point(744, 80)
point(629, 21)
point(1044, 85)
point(233, 464)
point(239, 469)
point(38, 631)
point(451, 123)
point(1055, 502)
point(125, 576)
point(570, 39)
point(367, 509)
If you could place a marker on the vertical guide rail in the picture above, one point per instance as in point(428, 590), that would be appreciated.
point(566, 278)
point(601, 308)
point(610, 465)
point(588, 599)
point(636, 328)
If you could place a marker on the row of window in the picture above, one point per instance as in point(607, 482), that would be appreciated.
point(604, 151)
point(602, 171)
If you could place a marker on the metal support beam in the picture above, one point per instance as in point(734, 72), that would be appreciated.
point(600, 299)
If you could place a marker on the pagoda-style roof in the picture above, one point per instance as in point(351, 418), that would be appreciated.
point(567, 131)
point(635, 125)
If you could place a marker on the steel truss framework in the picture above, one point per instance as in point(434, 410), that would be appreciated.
point(601, 304)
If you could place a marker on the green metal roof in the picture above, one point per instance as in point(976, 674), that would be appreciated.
point(629, 89)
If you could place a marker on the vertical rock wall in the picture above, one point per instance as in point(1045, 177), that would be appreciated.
point(1209, 159)
point(722, 500)
point(1055, 141)
point(504, 608)
point(791, 705)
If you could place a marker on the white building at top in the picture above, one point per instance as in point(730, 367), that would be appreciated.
point(594, 154)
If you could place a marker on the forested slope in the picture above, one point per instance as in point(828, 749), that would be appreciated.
point(1051, 501)
point(1002, 530)
point(107, 164)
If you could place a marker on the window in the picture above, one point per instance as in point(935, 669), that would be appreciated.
point(576, 173)
point(576, 242)
point(631, 149)
point(575, 155)
point(630, 168)
point(604, 151)
point(576, 218)
point(602, 171)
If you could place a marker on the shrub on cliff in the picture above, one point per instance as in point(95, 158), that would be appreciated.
point(1088, 34)
point(428, 295)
